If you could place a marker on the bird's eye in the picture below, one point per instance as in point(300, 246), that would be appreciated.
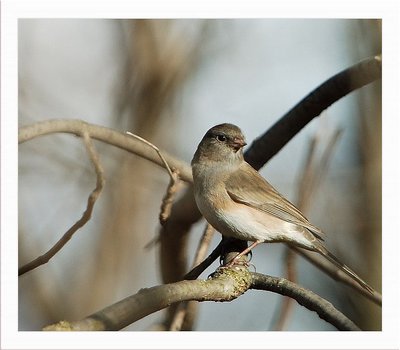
point(221, 137)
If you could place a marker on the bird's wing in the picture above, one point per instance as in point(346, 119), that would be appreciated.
point(248, 187)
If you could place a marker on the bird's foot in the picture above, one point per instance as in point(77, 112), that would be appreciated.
point(236, 261)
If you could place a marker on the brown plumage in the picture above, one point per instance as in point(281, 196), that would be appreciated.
point(238, 202)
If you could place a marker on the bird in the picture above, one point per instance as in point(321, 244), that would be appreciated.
point(239, 203)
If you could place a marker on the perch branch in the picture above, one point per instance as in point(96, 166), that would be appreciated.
point(225, 285)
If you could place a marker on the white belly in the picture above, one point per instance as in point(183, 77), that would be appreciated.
point(249, 224)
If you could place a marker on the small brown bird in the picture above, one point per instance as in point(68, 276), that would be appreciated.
point(238, 202)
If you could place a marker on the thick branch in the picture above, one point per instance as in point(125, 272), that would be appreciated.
point(225, 285)
point(304, 297)
point(332, 90)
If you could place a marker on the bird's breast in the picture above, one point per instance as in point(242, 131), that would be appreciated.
point(227, 217)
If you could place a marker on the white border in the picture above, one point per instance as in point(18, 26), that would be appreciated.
point(11, 338)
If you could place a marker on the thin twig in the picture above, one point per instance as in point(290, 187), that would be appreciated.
point(182, 308)
point(179, 316)
point(326, 158)
point(156, 149)
point(290, 258)
point(286, 307)
point(168, 200)
point(307, 176)
point(43, 259)
point(196, 271)
point(311, 178)
point(172, 186)
point(204, 244)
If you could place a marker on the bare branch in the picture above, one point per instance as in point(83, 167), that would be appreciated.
point(173, 184)
point(169, 197)
point(106, 135)
point(156, 149)
point(204, 244)
point(179, 316)
point(43, 259)
point(304, 297)
point(225, 285)
point(188, 307)
point(332, 90)
point(198, 269)
point(286, 307)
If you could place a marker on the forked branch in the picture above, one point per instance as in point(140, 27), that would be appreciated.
point(43, 259)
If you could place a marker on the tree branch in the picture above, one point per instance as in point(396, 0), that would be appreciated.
point(107, 135)
point(189, 309)
point(43, 259)
point(226, 285)
point(304, 297)
point(332, 90)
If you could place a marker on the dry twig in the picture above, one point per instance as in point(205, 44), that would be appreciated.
point(172, 186)
point(310, 180)
point(183, 308)
point(43, 259)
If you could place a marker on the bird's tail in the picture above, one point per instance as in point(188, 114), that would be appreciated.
point(334, 260)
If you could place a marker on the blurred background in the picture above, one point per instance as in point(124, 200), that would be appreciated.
point(169, 81)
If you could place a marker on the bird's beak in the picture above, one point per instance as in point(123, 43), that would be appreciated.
point(237, 143)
